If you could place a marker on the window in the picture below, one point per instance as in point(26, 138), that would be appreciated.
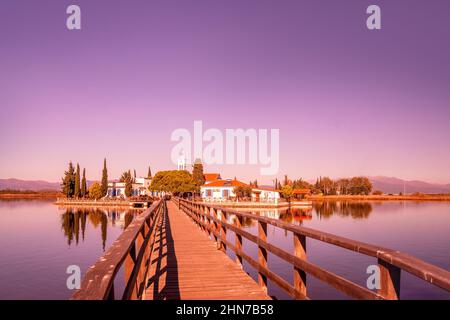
point(226, 193)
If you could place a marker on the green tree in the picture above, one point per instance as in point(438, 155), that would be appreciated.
point(83, 184)
point(287, 192)
point(77, 182)
point(343, 186)
point(286, 180)
point(134, 175)
point(95, 191)
point(360, 186)
point(242, 191)
point(104, 184)
point(301, 184)
point(174, 181)
point(128, 179)
point(68, 182)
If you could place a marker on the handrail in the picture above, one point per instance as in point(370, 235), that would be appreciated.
point(213, 220)
point(133, 247)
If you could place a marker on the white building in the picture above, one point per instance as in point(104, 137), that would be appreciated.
point(220, 189)
point(140, 188)
point(265, 195)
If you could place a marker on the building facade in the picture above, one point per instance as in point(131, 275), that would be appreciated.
point(220, 190)
point(140, 187)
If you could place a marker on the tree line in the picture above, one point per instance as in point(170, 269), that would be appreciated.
point(75, 186)
point(327, 186)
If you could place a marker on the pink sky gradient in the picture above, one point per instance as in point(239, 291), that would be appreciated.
point(348, 101)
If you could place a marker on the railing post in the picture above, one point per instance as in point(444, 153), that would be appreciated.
point(111, 295)
point(223, 231)
point(130, 261)
point(206, 211)
point(238, 240)
point(262, 254)
point(214, 226)
point(389, 280)
point(300, 252)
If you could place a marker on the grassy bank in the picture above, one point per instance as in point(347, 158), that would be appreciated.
point(414, 197)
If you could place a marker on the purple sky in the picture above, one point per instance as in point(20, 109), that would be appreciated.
point(347, 100)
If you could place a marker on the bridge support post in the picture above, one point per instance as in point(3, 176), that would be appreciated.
point(214, 226)
point(262, 254)
point(300, 275)
point(223, 231)
point(238, 241)
point(389, 280)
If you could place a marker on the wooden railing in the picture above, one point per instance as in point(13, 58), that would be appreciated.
point(214, 221)
point(133, 249)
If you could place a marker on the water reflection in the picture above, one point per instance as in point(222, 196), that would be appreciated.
point(294, 215)
point(356, 210)
point(321, 210)
point(74, 222)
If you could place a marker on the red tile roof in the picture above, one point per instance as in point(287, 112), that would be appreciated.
point(226, 183)
point(211, 176)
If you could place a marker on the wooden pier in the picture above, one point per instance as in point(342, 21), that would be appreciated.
point(189, 266)
point(178, 250)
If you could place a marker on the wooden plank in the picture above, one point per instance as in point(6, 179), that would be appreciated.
point(300, 252)
point(98, 281)
point(390, 280)
point(262, 254)
point(189, 266)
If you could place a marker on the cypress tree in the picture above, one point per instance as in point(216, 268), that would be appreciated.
point(149, 174)
point(197, 173)
point(83, 184)
point(68, 182)
point(104, 179)
point(77, 182)
point(286, 180)
point(134, 175)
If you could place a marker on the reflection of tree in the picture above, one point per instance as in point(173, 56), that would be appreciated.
point(287, 216)
point(76, 227)
point(357, 210)
point(83, 222)
point(245, 221)
point(95, 217)
point(104, 221)
point(74, 220)
point(325, 209)
point(67, 222)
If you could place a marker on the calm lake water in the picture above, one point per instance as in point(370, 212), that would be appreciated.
point(40, 240)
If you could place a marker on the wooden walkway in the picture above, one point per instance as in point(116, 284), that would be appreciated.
point(187, 265)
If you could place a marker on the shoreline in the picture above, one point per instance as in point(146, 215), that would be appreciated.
point(422, 197)
point(28, 196)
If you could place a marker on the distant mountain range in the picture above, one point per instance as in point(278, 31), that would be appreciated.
point(33, 185)
point(395, 185)
point(385, 184)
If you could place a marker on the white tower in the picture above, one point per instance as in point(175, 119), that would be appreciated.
point(182, 162)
